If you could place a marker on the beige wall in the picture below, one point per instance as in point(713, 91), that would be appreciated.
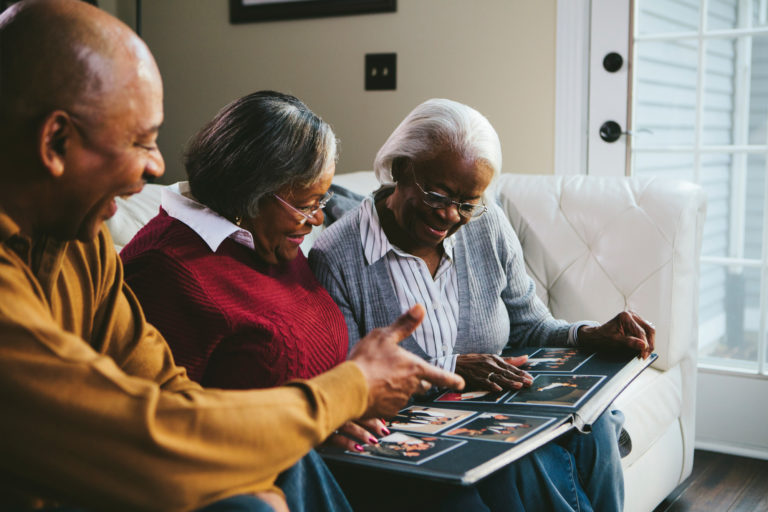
point(495, 55)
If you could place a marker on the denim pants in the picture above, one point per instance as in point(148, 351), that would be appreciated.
point(308, 487)
point(576, 472)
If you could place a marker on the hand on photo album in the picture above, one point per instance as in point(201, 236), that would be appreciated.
point(492, 372)
point(353, 435)
point(394, 374)
point(626, 330)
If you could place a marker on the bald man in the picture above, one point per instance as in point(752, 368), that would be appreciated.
point(93, 411)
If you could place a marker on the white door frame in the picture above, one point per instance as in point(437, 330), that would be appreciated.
point(578, 115)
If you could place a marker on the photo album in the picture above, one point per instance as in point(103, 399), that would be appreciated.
point(461, 437)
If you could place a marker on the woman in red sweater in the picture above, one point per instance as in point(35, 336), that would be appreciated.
point(219, 270)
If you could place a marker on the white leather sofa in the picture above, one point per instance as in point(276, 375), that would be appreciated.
point(596, 246)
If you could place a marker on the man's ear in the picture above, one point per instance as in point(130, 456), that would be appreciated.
point(55, 135)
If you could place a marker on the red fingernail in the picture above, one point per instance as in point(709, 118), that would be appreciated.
point(385, 430)
point(358, 448)
point(373, 440)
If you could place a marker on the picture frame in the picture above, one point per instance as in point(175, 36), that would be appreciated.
point(248, 11)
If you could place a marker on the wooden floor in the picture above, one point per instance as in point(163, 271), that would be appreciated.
point(721, 483)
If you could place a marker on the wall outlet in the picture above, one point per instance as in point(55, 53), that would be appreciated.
point(380, 71)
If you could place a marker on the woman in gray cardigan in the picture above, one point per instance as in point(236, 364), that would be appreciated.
point(431, 235)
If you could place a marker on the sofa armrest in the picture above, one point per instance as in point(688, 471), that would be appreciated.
point(596, 246)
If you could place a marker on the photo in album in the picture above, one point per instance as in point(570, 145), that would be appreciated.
point(507, 428)
point(555, 360)
point(556, 390)
point(407, 448)
point(427, 420)
point(487, 397)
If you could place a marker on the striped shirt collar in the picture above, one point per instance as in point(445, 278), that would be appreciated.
point(179, 203)
point(375, 242)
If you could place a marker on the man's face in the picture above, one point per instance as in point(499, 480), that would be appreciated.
point(112, 155)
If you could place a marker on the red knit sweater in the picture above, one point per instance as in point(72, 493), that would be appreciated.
point(231, 320)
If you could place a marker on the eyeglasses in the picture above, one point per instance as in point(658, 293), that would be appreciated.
point(307, 212)
point(439, 201)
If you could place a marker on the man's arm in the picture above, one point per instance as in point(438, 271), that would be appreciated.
point(139, 435)
point(75, 425)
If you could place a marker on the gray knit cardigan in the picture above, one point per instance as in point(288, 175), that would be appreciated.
point(498, 304)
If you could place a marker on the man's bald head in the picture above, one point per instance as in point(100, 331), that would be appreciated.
point(64, 54)
point(81, 103)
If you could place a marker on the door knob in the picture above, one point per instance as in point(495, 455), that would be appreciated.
point(610, 131)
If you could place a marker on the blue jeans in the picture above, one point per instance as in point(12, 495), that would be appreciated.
point(576, 472)
point(308, 487)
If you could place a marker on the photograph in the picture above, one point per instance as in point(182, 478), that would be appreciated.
point(406, 448)
point(427, 420)
point(555, 360)
point(489, 397)
point(507, 428)
point(556, 390)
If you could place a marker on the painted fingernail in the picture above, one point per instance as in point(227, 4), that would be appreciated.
point(385, 430)
point(373, 440)
point(358, 448)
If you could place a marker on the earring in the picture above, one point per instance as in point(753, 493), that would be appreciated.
point(238, 220)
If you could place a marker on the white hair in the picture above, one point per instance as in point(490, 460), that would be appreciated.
point(435, 126)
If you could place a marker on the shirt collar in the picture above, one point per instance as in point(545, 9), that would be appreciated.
point(177, 200)
point(375, 242)
point(8, 226)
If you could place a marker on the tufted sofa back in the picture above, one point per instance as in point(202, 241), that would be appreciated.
point(598, 245)
point(593, 245)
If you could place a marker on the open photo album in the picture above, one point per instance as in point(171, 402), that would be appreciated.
point(462, 437)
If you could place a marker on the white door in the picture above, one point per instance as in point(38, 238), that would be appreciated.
point(694, 106)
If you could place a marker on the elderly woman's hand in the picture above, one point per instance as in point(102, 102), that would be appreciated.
point(491, 372)
point(627, 329)
point(354, 434)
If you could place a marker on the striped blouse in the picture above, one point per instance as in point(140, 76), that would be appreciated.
point(414, 284)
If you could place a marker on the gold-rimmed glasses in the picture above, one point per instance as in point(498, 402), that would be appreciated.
point(307, 212)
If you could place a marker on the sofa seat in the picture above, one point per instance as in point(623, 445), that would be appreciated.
point(651, 403)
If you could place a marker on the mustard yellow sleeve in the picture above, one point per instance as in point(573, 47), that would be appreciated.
point(131, 432)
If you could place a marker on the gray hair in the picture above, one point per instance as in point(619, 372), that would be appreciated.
point(435, 126)
point(255, 146)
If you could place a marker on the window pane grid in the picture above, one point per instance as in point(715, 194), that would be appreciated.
point(700, 95)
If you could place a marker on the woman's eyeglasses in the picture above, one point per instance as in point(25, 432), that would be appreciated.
point(307, 212)
point(439, 201)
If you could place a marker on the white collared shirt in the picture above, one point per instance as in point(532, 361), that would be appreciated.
point(414, 284)
point(179, 203)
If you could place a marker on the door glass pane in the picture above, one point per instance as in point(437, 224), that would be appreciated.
point(719, 92)
point(735, 187)
point(735, 98)
point(664, 16)
point(724, 14)
point(715, 178)
point(729, 314)
point(758, 91)
point(665, 93)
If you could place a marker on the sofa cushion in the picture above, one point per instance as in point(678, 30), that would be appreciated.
point(625, 243)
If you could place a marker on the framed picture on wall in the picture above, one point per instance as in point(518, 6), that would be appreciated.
point(246, 11)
